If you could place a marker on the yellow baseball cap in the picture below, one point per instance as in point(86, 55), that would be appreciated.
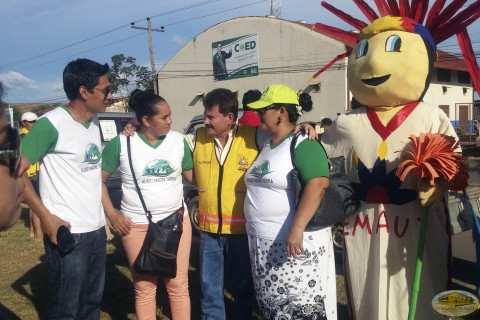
point(276, 93)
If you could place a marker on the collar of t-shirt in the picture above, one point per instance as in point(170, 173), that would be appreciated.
point(222, 152)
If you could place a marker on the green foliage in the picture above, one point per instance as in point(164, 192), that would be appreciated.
point(125, 75)
point(16, 114)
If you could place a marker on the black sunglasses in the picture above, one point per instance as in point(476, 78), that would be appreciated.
point(11, 151)
point(261, 112)
point(105, 91)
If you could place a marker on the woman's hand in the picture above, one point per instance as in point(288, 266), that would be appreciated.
point(295, 242)
point(129, 130)
point(311, 198)
point(120, 223)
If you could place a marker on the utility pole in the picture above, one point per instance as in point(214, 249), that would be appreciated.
point(152, 60)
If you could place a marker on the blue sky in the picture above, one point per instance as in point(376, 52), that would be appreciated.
point(40, 37)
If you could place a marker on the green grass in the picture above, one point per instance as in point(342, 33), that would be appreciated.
point(24, 283)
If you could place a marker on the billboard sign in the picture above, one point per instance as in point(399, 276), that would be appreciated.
point(235, 58)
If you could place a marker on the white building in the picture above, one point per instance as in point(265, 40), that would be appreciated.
point(280, 51)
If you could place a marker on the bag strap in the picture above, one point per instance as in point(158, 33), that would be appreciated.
point(147, 213)
point(292, 149)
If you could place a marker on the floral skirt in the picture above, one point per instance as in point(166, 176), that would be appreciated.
point(288, 288)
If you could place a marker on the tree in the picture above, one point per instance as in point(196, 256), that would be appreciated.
point(125, 74)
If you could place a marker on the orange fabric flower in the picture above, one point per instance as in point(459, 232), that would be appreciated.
point(433, 155)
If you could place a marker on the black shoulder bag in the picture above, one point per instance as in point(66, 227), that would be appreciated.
point(339, 200)
point(158, 255)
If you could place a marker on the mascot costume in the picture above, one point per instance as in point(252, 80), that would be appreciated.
point(389, 71)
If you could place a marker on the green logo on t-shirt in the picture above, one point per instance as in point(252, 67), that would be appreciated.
point(161, 168)
point(261, 170)
point(92, 154)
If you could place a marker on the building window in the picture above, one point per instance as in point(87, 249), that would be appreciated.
point(443, 75)
point(463, 77)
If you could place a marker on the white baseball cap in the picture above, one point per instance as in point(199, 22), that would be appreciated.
point(29, 116)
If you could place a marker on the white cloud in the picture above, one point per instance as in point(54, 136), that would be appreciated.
point(17, 81)
point(179, 39)
point(56, 86)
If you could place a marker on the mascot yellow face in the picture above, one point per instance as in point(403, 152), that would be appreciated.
point(390, 65)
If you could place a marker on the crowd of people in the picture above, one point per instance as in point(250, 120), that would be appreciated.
point(221, 159)
point(248, 217)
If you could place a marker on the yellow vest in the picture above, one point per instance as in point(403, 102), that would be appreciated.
point(223, 186)
point(34, 168)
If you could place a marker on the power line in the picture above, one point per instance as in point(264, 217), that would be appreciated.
point(211, 14)
point(182, 9)
point(77, 54)
point(14, 63)
point(111, 43)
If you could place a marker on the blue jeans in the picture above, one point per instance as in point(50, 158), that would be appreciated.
point(77, 278)
point(214, 249)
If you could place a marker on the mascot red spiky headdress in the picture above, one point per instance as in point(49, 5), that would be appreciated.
point(441, 23)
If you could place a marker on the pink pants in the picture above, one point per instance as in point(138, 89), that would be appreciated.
point(146, 285)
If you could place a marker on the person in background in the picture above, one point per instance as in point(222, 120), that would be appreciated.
point(12, 167)
point(28, 119)
point(154, 145)
point(292, 265)
point(249, 117)
point(325, 123)
point(67, 142)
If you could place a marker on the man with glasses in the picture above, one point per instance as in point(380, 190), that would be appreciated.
point(66, 141)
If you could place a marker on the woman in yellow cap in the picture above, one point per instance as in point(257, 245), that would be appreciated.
point(292, 265)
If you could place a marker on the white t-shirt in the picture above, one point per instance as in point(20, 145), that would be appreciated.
point(70, 160)
point(269, 204)
point(159, 175)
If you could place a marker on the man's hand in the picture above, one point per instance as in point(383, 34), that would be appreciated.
point(129, 130)
point(312, 134)
point(50, 225)
point(431, 196)
point(120, 223)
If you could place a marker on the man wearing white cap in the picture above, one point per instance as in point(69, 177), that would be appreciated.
point(28, 120)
